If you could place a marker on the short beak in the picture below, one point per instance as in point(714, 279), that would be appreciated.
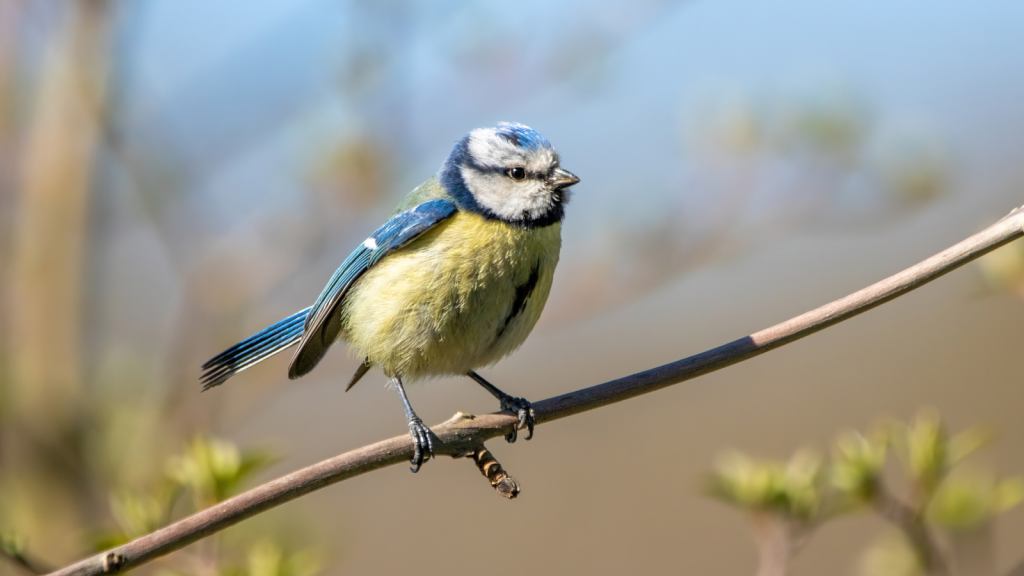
point(562, 178)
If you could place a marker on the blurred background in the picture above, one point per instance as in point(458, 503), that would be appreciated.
point(176, 175)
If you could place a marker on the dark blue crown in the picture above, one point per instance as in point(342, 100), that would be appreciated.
point(522, 136)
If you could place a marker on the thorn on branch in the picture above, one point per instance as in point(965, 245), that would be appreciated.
point(502, 482)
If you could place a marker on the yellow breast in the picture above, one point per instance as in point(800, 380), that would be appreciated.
point(463, 295)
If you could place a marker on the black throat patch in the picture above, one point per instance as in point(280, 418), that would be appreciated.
point(523, 292)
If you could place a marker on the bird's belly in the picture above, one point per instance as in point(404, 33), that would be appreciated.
point(462, 296)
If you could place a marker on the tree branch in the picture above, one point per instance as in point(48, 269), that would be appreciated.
point(911, 523)
point(465, 434)
point(775, 536)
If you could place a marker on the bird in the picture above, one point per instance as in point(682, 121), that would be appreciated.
point(454, 281)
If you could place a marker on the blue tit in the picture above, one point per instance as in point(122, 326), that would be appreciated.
point(455, 280)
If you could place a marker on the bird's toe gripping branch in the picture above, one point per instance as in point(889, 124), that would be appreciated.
point(423, 442)
point(527, 417)
point(504, 484)
point(518, 406)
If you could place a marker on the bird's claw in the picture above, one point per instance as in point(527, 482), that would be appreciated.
point(423, 443)
point(527, 417)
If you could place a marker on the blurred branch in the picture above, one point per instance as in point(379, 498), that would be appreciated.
point(1017, 570)
point(776, 543)
point(52, 219)
point(465, 433)
point(911, 523)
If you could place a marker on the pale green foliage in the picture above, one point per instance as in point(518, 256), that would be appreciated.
point(968, 442)
point(928, 452)
point(967, 501)
point(12, 543)
point(955, 505)
point(137, 513)
point(212, 469)
point(209, 470)
point(266, 558)
point(793, 488)
point(891, 556)
point(206, 472)
point(1003, 270)
point(13, 546)
point(923, 446)
point(857, 463)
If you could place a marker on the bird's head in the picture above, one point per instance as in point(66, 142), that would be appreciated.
point(508, 173)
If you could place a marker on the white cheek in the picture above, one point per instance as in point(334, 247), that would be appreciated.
point(507, 198)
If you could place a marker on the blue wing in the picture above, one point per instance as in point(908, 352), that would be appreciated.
point(316, 327)
point(322, 323)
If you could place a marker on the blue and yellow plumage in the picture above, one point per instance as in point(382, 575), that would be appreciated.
point(454, 281)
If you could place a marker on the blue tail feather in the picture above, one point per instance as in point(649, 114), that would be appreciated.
point(256, 341)
point(254, 349)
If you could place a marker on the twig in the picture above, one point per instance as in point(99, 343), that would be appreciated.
point(504, 484)
point(910, 522)
point(1017, 570)
point(462, 434)
point(776, 539)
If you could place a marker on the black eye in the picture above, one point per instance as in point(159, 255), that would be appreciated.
point(517, 173)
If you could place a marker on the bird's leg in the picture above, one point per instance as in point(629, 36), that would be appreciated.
point(520, 406)
point(422, 440)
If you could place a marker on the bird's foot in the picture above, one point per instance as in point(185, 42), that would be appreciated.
point(423, 442)
point(527, 417)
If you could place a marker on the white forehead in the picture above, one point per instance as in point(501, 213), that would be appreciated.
point(489, 149)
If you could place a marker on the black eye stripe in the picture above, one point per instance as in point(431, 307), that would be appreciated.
point(482, 169)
